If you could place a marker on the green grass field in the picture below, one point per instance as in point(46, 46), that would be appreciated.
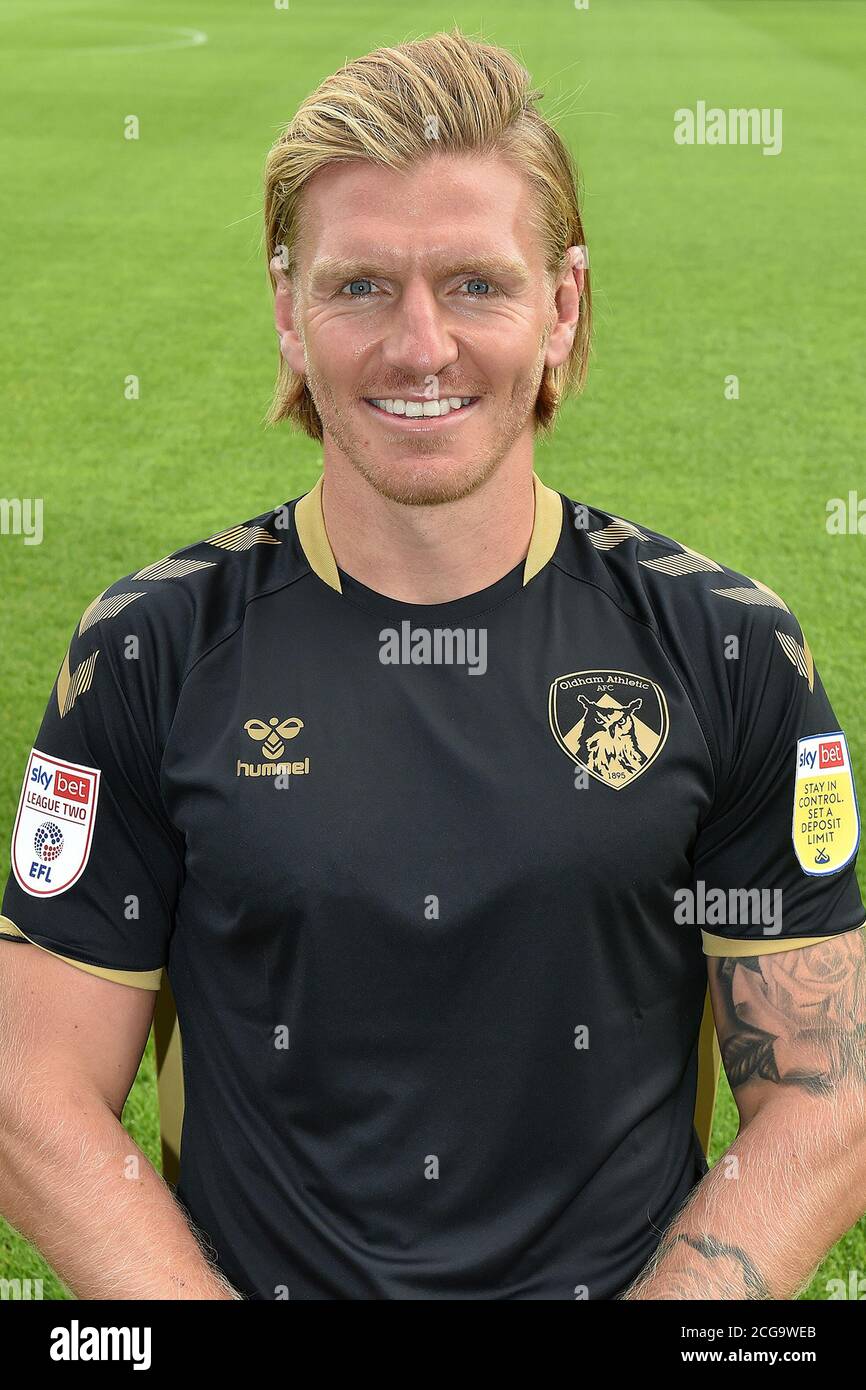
point(143, 257)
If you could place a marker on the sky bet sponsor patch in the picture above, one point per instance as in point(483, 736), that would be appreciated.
point(54, 826)
point(826, 819)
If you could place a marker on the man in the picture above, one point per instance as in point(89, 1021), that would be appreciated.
point(434, 793)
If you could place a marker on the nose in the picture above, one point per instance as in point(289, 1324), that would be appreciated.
point(418, 341)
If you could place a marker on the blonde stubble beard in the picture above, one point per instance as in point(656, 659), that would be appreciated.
point(426, 484)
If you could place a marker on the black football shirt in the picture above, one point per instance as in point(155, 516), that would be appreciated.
point(432, 887)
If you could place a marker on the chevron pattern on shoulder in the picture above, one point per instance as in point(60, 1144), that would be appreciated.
point(71, 685)
point(760, 596)
point(102, 608)
point(242, 537)
point(614, 533)
point(689, 562)
point(799, 656)
point(172, 569)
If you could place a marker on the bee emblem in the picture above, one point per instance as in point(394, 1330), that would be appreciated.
point(273, 734)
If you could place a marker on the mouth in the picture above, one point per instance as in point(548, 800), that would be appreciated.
point(423, 416)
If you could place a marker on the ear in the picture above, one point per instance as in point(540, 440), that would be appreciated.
point(291, 347)
point(567, 293)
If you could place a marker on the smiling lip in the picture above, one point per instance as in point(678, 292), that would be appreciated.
point(421, 423)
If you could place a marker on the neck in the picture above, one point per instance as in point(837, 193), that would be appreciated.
point(429, 554)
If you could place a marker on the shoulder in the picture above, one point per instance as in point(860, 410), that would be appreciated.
point(682, 593)
point(196, 593)
point(732, 641)
point(139, 637)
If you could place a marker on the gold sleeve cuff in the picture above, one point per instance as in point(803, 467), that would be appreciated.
point(723, 946)
point(139, 979)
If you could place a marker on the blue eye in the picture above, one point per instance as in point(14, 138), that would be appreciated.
point(354, 285)
point(475, 293)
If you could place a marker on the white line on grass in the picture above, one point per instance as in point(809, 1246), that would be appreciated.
point(190, 38)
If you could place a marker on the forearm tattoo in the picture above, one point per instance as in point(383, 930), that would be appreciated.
point(714, 1270)
point(794, 1018)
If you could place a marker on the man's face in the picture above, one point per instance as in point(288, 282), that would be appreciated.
point(417, 289)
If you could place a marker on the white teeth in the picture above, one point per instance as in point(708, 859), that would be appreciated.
point(415, 409)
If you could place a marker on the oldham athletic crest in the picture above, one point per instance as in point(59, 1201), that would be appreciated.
point(612, 723)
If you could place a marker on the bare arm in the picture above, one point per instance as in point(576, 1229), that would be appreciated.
point(71, 1178)
point(792, 1029)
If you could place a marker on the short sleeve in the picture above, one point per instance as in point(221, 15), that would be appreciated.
point(96, 865)
point(774, 860)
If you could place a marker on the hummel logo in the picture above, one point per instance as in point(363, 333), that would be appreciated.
point(273, 733)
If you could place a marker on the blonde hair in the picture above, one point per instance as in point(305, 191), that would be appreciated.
point(384, 107)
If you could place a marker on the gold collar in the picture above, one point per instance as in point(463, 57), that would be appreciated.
point(310, 523)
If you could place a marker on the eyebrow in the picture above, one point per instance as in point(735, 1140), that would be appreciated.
point(337, 269)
